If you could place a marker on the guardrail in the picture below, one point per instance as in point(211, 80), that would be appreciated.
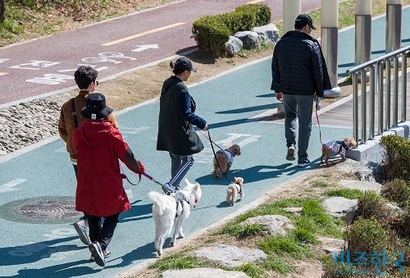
point(384, 84)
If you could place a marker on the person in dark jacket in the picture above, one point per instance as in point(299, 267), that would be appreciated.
point(100, 194)
point(176, 122)
point(299, 76)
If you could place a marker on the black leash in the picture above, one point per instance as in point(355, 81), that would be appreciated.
point(209, 138)
point(213, 151)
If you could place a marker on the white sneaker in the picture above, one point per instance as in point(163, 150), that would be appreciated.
point(97, 253)
point(82, 231)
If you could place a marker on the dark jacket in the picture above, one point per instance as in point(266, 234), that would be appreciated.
point(298, 66)
point(99, 147)
point(176, 133)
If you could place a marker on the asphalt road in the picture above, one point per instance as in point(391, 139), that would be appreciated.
point(46, 65)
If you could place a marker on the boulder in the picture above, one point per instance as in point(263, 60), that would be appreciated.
point(250, 39)
point(268, 33)
point(341, 207)
point(233, 46)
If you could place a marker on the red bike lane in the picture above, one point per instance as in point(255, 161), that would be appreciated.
point(45, 66)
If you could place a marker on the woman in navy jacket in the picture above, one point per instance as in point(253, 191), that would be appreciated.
point(176, 123)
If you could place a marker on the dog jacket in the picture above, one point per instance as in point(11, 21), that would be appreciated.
point(336, 147)
point(238, 187)
point(228, 154)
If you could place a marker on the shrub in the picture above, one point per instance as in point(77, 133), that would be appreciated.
point(396, 157)
point(212, 32)
point(397, 191)
point(366, 235)
point(372, 205)
point(401, 226)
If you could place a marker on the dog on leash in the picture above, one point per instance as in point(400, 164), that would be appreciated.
point(234, 190)
point(330, 148)
point(170, 212)
point(223, 160)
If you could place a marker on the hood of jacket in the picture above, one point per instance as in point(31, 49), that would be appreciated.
point(169, 83)
point(94, 133)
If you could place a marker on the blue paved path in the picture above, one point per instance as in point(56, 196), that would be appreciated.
point(231, 103)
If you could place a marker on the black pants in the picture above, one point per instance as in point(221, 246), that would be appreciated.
point(102, 233)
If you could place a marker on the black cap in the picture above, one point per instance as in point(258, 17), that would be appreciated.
point(304, 19)
point(95, 107)
point(183, 64)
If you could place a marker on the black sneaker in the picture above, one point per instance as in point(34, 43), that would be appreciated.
point(97, 253)
point(291, 153)
point(304, 163)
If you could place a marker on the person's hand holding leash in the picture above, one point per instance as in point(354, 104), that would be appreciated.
point(279, 96)
point(141, 168)
point(206, 127)
point(318, 103)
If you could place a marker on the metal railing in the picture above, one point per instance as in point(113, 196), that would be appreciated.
point(384, 91)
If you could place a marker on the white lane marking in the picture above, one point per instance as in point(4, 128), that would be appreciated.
point(141, 48)
point(143, 34)
point(8, 187)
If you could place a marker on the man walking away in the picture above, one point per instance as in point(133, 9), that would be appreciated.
point(299, 76)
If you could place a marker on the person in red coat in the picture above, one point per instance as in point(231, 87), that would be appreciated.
point(100, 194)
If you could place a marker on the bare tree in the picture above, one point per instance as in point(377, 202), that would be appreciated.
point(2, 10)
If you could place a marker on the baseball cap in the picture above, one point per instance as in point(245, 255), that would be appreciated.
point(184, 63)
point(304, 19)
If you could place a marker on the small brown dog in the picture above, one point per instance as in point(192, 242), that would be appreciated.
point(234, 189)
point(225, 158)
point(337, 147)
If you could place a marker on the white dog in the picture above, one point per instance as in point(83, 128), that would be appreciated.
point(170, 211)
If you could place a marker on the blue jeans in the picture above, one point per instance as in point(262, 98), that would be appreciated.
point(180, 165)
point(298, 109)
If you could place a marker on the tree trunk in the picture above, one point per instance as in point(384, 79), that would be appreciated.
point(2, 10)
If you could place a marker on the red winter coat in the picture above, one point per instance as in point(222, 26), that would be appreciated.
point(99, 187)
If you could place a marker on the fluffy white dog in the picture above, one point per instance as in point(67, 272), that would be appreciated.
point(170, 211)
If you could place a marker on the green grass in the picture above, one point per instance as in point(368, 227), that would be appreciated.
point(323, 183)
point(346, 193)
point(180, 260)
point(243, 230)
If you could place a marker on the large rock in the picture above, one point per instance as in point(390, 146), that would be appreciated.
point(341, 207)
point(276, 224)
point(233, 46)
point(268, 33)
point(250, 39)
point(231, 256)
